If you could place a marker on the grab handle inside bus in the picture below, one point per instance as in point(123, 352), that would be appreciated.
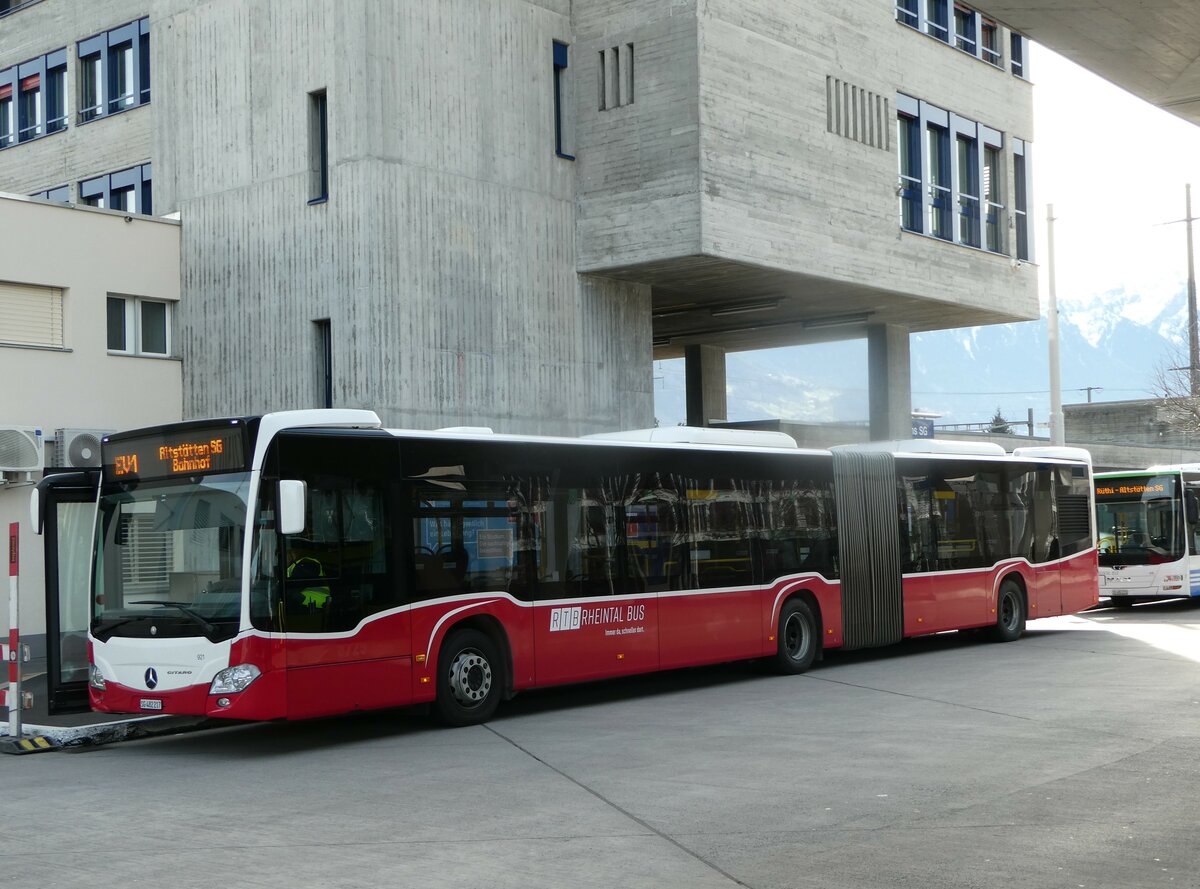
point(292, 496)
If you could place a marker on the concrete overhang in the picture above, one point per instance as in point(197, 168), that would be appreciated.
point(714, 301)
point(1149, 47)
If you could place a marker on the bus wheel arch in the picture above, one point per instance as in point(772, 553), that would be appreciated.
point(797, 634)
point(474, 670)
point(1012, 609)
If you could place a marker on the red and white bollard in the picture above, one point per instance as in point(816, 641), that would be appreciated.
point(14, 635)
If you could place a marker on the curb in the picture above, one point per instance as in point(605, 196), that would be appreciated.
point(38, 738)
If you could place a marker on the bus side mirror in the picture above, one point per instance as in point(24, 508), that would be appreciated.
point(1191, 507)
point(292, 497)
point(37, 511)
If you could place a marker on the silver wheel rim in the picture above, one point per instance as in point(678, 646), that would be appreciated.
point(470, 677)
point(796, 638)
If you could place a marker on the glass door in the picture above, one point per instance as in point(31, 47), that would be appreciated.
point(68, 537)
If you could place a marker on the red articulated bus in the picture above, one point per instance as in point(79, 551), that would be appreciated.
point(309, 563)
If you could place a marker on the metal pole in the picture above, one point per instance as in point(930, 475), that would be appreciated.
point(14, 635)
point(1057, 435)
point(1193, 335)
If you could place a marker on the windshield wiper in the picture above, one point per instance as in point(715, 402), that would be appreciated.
point(200, 621)
point(100, 627)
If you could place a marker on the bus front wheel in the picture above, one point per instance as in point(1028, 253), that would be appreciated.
point(797, 639)
point(470, 679)
point(1010, 613)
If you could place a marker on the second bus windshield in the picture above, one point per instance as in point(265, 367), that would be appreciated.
point(1139, 520)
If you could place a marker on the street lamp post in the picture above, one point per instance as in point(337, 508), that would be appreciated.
point(1057, 434)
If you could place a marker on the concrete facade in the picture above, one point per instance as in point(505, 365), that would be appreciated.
point(460, 269)
point(79, 384)
point(734, 175)
point(444, 256)
point(82, 150)
point(1152, 422)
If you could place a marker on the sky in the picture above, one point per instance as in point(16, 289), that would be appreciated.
point(1114, 168)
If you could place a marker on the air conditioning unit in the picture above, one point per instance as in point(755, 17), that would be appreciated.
point(79, 448)
point(21, 449)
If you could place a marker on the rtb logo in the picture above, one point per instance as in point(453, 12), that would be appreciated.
point(565, 618)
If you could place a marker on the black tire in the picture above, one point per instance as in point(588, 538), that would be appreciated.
point(1122, 602)
point(1010, 613)
point(798, 639)
point(470, 679)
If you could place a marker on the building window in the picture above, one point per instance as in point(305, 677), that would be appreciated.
point(994, 201)
point(1018, 43)
point(60, 195)
point(318, 147)
point(968, 189)
point(964, 28)
point(114, 70)
point(937, 19)
point(56, 97)
point(1022, 200)
point(949, 167)
point(91, 91)
point(33, 98)
point(30, 110)
point(127, 190)
point(989, 42)
point(139, 326)
point(616, 76)
point(940, 193)
point(971, 31)
point(909, 141)
point(324, 362)
point(122, 88)
point(7, 6)
point(31, 316)
point(564, 144)
point(7, 124)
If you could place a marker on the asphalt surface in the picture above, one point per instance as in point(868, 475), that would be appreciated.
point(1070, 758)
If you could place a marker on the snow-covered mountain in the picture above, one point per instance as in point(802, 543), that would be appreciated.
point(1112, 343)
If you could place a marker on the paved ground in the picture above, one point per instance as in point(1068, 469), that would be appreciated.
point(1068, 759)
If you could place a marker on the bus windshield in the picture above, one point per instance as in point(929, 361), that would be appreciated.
point(169, 559)
point(1139, 520)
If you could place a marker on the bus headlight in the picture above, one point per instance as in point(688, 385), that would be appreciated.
point(234, 679)
point(95, 677)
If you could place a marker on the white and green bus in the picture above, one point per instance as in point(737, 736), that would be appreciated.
point(1148, 528)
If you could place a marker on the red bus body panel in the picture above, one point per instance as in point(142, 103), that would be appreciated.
point(391, 659)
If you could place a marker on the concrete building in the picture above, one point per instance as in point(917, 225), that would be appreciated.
point(85, 347)
point(1151, 422)
point(499, 213)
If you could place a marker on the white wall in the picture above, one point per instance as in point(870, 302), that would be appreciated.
point(88, 254)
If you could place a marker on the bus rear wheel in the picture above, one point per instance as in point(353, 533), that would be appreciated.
point(470, 679)
point(1010, 613)
point(797, 639)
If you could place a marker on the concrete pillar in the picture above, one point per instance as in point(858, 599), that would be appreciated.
point(889, 382)
point(704, 378)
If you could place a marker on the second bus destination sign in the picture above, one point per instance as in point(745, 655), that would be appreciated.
point(191, 452)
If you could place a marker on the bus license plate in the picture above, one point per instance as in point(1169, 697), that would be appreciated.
point(150, 704)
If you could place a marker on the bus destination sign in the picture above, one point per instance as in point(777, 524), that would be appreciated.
point(176, 453)
point(1129, 488)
